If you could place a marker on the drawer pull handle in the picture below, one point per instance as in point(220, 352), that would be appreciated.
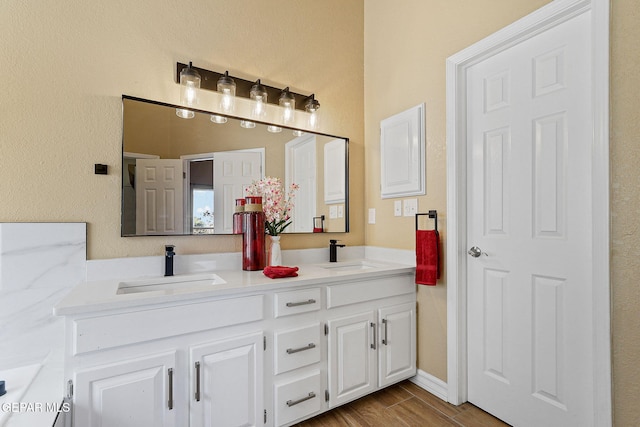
point(385, 340)
point(197, 382)
point(304, 399)
point(295, 304)
point(296, 350)
point(170, 402)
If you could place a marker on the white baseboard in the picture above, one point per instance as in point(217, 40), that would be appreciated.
point(433, 385)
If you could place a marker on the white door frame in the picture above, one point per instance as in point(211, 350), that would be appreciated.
point(544, 18)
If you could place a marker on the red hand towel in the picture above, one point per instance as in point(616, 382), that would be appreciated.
point(427, 257)
point(279, 271)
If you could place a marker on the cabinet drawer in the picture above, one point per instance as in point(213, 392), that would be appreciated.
point(355, 292)
point(298, 398)
point(299, 301)
point(296, 348)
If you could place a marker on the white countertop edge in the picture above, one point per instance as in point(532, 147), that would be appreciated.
point(91, 297)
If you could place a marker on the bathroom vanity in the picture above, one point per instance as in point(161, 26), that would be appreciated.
point(231, 348)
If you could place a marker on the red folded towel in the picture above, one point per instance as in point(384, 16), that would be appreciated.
point(279, 271)
point(427, 257)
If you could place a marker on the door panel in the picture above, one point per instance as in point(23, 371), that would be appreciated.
point(159, 196)
point(529, 294)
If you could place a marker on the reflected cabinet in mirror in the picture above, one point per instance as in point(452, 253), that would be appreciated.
point(182, 176)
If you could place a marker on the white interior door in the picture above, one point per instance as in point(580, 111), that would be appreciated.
point(159, 193)
point(529, 293)
point(233, 172)
point(300, 168)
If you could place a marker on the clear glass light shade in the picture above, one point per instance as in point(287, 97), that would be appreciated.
point(183, 113)
point(298, 133)
point(274, 129)
point(189, 85)
point(312, 106)
point(227, 87)
point(258, 95)
point(247, 124)
point(218, 119)
point(288, 103)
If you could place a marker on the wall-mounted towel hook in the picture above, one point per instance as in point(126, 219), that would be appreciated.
point(431, 214)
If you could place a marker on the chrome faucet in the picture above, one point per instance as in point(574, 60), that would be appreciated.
point(333, 250)
point(168, 260)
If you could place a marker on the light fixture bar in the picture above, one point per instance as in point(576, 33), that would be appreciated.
point(209, 80)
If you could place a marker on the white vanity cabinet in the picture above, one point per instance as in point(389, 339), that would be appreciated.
point(376, 345)
point(198, 364)
point(263, 353)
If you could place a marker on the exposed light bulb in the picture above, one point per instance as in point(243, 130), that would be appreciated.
point(258, 94)
point(288, 102)
point(227, 87)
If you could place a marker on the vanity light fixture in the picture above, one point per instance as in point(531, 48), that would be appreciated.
point(288, 103)
point(274, 129)
point(189, 85)
point(247, 124)
point(227, 87)
point(258, 95)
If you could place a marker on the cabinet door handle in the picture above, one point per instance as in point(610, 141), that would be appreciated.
point(170, 402)
point(295, 304)
point(197, 382)
point(375, 338)
point(296, 350)
point(385, 340)
point(311, 395)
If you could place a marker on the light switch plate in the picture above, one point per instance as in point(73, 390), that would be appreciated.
point(372, 215)
point(397, 208)
point(333, 212)
point(410, 207)
point(340, 211)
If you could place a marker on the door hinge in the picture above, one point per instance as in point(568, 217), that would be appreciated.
point(326, 395)
point(184, 175)
point(326, 329)
point(265, 416)
point(264, 342)
point(70, 389)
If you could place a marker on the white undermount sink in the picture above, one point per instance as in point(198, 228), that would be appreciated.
point(350, 265)
point(169, 284)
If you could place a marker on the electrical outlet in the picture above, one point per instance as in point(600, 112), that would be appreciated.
point(410, 207)
point(397, 208)
point(372, 215)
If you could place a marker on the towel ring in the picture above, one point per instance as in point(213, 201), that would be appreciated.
point(431, 214)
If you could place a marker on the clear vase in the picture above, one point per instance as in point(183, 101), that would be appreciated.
point(275, 254)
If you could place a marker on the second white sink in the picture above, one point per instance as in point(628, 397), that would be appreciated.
point(168, 284)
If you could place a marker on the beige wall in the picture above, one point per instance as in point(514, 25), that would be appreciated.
point(417, 37)
point(66, 64)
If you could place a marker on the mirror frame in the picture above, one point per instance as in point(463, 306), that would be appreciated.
point(197, 110)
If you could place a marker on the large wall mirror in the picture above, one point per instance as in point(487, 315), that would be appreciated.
point(182, 176)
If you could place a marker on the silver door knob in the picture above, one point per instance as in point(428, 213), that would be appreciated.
point(475, 251)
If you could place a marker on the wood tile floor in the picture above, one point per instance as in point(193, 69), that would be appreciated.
point(403, 404)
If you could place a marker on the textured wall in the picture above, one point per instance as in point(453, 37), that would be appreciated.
point(625, 209)
point(66, 64)
point(406, 46)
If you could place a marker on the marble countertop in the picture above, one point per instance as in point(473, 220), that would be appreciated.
point(90, 297)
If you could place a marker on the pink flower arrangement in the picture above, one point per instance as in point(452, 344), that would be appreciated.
point(276, 204)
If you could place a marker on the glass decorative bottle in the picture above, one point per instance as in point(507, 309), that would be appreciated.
point(238, 216)
point(275, 254)
point(253, 253)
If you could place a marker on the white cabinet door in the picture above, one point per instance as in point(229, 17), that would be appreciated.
point(397, 355)
point(227, 387)
point(352, 357)
point(130, 393)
